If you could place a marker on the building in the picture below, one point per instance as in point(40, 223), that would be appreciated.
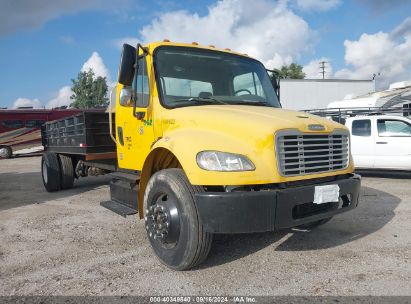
point(307, 94)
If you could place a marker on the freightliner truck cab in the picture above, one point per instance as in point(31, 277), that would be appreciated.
point(215, 153)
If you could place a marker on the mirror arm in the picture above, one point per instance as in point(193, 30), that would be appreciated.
point(138, 115)
point(275, 81)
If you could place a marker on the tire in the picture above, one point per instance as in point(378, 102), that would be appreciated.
point(66, 172)
point(50, 171)
point(181, 243)
point(5, 152)
point(314, 225)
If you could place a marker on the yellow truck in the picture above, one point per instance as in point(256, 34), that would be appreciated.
point(197, 143)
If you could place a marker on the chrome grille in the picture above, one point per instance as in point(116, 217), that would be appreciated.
point(300, 153)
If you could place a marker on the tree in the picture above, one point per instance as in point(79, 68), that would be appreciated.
point(89, 91)
point(293, 71)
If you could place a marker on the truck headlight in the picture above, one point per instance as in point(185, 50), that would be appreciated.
point(222, 161)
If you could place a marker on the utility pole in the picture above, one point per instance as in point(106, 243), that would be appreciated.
point(322, 67)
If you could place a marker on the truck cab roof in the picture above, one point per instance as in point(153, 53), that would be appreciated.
point(153, 45)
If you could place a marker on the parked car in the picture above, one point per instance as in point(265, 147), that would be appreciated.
point(380, 141)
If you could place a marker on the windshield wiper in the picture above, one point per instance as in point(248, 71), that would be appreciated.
point(253, 103)
point(199, 100)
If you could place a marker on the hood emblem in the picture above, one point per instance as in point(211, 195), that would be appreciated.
point(316, 127)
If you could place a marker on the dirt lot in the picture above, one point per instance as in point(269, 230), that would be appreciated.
point(66, 244)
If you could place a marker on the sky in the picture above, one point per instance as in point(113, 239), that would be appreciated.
point(46, 43)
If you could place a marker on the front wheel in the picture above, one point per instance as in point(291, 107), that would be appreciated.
point(172, 222)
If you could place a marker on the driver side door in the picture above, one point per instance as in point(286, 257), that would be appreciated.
point(135, 134)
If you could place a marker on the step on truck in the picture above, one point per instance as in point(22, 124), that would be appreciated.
point(196, 143)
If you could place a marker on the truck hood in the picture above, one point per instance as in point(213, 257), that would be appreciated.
point(243, 120)
point(245, 130)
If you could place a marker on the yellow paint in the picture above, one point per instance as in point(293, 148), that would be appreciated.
point(240, 129)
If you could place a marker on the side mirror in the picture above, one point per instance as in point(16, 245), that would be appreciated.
point(126, 70)
point(126, 96)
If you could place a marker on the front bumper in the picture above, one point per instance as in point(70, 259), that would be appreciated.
point(259, 211)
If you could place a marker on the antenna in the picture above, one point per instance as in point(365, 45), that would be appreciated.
point(322, 67)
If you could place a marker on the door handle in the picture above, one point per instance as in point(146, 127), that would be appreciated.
point(381, 143)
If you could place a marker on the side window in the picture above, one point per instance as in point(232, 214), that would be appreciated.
point(361, 127)
point(248, 83)
point(34, 123)
point(143, 92)
point(394, 128)
point(13, 124)
point(407, 109)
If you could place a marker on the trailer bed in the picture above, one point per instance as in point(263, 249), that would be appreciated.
point(86, 134)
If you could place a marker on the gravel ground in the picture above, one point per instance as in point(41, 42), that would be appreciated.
point(64, 243)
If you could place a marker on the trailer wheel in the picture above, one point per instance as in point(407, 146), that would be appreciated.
point(315, 224)
point(5, 152)
point(172, 222)
point(50, 171)
point(66, 171)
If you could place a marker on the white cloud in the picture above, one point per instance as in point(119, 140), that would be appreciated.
point(62, 99)
point(26, 102)
point(317, 5)
point(313, 69)
point(95, 62)
point(386, 53)
point(266, 30)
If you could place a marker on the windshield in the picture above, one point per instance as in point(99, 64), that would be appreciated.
point(189, 77)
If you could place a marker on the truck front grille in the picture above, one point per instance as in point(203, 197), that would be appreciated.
point(301, 153)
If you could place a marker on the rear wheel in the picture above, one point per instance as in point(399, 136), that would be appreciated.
point(67, 171)
point(50, 171)
point(5, 152)
point(172, 222)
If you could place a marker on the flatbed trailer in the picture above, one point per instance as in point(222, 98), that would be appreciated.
point(81, 145)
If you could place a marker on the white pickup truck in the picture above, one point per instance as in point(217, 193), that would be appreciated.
point(381, 142)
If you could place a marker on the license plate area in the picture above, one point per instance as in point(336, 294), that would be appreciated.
point(326, 194)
